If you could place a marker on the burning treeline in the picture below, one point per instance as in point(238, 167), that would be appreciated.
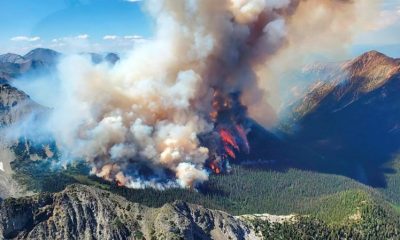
point(175, 110)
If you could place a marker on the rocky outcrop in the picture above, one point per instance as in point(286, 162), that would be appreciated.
point(82, 212)
point(15, 105)
point(371, 70)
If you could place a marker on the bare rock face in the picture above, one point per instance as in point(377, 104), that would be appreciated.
point(14, 105)
point(177, 220)
point(371, 70)
point(82, 212)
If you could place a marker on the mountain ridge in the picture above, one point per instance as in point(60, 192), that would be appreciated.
point(342, 114)
point(42, 61)
point(81, 212)
point(15, 105)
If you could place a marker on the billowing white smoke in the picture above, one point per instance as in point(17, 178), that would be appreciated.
point(149, 109)
point(114, 119)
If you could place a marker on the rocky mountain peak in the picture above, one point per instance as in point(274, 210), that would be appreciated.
point(344, 117)
point(112, 58)
point(372, 68)
point(370, 60)
point(15, 105)
point(46, 56)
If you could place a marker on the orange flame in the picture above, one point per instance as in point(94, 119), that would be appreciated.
point(228, 139)
point(119, 184)
point(214, 167)
point(229, 151)
point(226, 113)
point(219, 103)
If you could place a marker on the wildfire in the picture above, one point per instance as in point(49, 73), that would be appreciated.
point(214, 167)
point(228, 115)
point(228, 139)
point(230, 152)
point(119, 184)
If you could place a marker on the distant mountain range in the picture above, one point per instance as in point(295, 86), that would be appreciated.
point(40, 59)
point(13, 65)
point(14, 104)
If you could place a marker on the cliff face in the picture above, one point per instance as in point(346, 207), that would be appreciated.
point(82, 212)
point(14, 105)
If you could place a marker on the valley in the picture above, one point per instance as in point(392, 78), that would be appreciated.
point(296, 169)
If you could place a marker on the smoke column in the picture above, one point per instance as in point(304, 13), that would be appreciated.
point(138, 123)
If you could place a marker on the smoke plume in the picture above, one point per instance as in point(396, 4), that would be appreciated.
point(140, 122)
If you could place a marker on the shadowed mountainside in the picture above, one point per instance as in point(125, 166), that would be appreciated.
point(351, 119)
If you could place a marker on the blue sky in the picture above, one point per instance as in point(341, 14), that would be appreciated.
point(115, 25)
point(384, 34)
point(31, 23)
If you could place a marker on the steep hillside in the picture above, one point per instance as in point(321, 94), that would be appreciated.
point(371, 221)
point(349, 79)
point(15, 105)
point(351, 119)
point(246, 190)
point(9, 187)
point(81, 212)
